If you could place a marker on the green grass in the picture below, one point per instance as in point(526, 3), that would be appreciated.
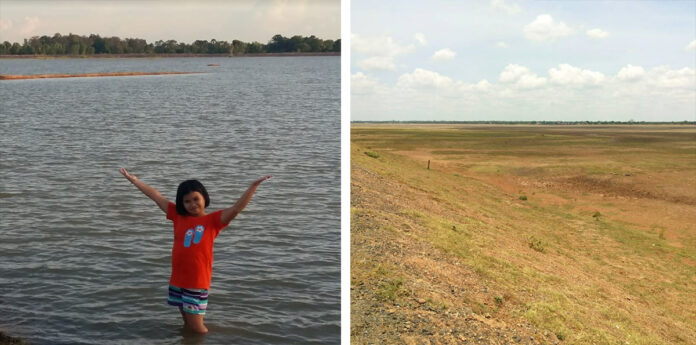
point(389, 290)
point(372, 154)
point(537, 245)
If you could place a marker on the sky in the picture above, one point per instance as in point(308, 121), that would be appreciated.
point(514, 60)
point(180, 20)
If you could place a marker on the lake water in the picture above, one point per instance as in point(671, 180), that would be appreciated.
point(85, 257)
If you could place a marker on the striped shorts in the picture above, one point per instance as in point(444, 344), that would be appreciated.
point(193, 301)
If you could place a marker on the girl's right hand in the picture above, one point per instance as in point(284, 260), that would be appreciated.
point(127, 175)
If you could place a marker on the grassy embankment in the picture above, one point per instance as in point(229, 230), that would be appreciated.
point(523, 234)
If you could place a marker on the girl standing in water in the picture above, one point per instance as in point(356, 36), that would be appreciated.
point(194, 234)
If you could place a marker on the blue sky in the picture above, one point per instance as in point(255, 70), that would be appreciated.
point(523, 60)
point(181, 20)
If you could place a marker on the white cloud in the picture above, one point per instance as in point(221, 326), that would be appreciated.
point(420, 38)
point(385, 63)
point(501, 45)
point(421, 78)
point(5, 25)
point(378, 46)
point(664, 77)
point(284, 17)
point(530, 82)
point(363, 84)
point(381, 51)
point(597, 34)
point(569, 75)
point(443, 54)
point(428, 95)
point(512, 73)
point(544, 28)
point(631, 73)
point(691, 46)
point(483, 85)
point(521, 77)
point(30, 26)
point(15, 31)
point(507, 8)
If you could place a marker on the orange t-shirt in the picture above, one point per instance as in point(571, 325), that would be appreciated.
point(192, 253)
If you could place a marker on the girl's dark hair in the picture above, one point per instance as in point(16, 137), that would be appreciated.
point(186, 187)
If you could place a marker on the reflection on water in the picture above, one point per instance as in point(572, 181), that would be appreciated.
point(86, 255)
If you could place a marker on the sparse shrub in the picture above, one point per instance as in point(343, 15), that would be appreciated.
point(662, 234)
point(498, 300)
point(537, 245)
point(523, 197)
point(560, 335)
point(478, 308)
point(372, 154)
point(381, 271)
point(389, 290)
point(596, 215)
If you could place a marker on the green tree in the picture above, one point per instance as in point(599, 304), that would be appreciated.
point(99, 44)
point(313, 43)
point(136, 45)
point(199, 47)
point(295, 44)
point(277, 44)
point(5, 48)
point(16, 48)
point(114, 45)
point(327, 46)
point(239, 47)
point(26, 48)
point(256, 48)
point(94, 44)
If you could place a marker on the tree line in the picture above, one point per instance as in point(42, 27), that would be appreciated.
point(94, 44)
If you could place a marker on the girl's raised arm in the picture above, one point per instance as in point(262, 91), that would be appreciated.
point(151, 193)
point(229, 213)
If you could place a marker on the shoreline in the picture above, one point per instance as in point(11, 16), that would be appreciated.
point(140, 56)
point(84, 75)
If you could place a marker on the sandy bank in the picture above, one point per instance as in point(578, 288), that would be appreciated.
point(84, 75)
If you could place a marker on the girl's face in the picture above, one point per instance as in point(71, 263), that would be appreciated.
point(194, 203)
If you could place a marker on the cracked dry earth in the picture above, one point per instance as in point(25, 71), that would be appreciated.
point(405, 291)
